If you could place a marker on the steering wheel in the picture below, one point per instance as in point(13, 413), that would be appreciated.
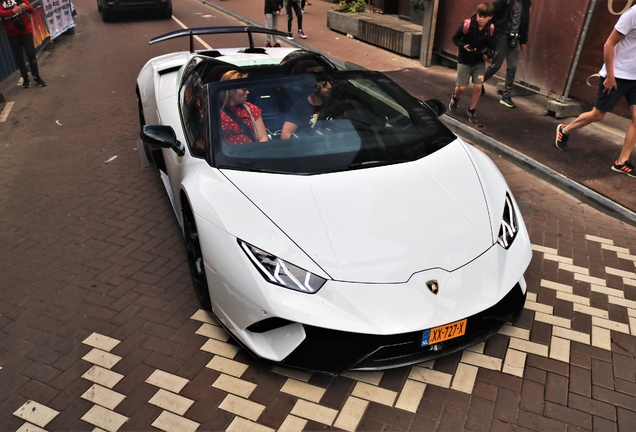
point(338, 108)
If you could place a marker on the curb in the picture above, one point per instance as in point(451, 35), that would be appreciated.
point(585, 194)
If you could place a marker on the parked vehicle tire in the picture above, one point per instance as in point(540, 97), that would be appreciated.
point(167, 14)
point(107, 16)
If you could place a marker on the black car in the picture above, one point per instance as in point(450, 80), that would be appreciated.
point(108, 8)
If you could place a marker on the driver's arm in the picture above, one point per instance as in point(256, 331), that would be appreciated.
point(288, 129)
point(262, 131)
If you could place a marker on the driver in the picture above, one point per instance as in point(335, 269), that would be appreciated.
point(304, 113)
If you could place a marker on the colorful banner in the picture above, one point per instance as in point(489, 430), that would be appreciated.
point(40, 32)
point(58, 16)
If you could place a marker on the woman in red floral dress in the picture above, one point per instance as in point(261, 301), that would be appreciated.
point(241, 121)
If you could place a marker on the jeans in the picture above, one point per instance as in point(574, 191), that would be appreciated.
point(21, 44)
point(511, 56)
point(271, 22)
point(299, 15)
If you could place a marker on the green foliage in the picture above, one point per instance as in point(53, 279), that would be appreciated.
point(352, 6)
point(417, 4)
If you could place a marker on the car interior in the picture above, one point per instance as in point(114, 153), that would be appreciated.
point(362, 120)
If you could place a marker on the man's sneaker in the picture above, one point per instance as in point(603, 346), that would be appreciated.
point(276, 45)
point(302, 34)
point(507, 102)
point(626, 168)
point(472, 116)
point(561, 138)
point(290, 35)
point(268, 45)
point(39, 81)
point(26, 83)
point(452, 106)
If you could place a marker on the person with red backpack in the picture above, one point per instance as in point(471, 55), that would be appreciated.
point(17, 25)
point(475, 43)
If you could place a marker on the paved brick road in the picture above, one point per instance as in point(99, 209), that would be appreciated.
point(99, 327)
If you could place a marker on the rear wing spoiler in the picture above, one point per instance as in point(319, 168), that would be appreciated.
point(215, 30)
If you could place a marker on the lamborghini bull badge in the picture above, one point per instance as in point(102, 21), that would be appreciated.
point(433, 286)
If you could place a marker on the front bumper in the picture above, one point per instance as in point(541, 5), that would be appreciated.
point(332, 352)
point(361, 326)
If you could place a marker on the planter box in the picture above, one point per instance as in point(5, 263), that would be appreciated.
point(417, 16)
point(386, 32)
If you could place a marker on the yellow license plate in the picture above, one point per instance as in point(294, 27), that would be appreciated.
point(445, 332)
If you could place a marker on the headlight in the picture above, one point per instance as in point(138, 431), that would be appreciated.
point(509, 224)
point(282, 273)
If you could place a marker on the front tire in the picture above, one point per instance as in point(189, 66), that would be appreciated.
point(107, 16)
point(195, 258)
point(167, 14)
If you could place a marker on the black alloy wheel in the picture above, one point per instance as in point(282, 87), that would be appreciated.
point(195, 259)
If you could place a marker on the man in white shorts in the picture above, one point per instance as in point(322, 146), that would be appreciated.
point(617, 80)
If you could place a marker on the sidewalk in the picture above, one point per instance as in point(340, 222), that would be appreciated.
point(525, 134)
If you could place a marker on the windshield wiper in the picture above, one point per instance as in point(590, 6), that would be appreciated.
point(243, 168)
point(373, 163)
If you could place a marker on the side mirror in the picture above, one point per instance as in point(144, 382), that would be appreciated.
point(436, 106)
point(162, 136)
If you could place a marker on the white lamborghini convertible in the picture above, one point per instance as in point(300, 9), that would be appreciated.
point(371, 237)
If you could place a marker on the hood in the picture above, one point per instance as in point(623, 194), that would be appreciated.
point(381, 224)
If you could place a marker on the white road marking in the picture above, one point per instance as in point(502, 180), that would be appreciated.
point(196, 37)
point(6, 111)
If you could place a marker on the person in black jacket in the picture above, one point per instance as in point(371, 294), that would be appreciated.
point(475, 43)
point(512, 20)
point(273, 10)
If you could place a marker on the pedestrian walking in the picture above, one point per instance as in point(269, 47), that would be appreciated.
point(475, 42)
point(17, 25)
point(512, 21)
point(273, 10)
point(295, 6)
point(617, 79)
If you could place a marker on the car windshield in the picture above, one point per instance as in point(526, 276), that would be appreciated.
point(313, 123)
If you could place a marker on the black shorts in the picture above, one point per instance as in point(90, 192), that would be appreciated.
point(606, 103)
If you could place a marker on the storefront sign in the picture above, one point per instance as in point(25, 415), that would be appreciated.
point(610, 7)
